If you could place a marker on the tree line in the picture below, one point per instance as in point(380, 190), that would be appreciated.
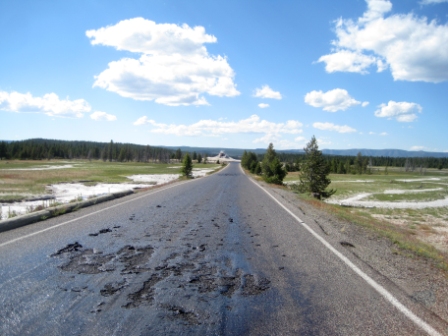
point(45, 149)
point(312, 165)
point(359, 164)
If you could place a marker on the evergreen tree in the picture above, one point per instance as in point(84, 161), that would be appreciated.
point(178, 154)
point(271, 167)
point(244, 159)
point(199, 158)
point(315, 171)
point(187, 166)
point(2, 150)
point(111, 151)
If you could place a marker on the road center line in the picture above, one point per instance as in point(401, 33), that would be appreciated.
point(96, 212)
point(380, 289)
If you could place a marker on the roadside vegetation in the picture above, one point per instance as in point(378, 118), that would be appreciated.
point(270, 168)
point(351, 184)
point(414, 231)
point(187, 166)
point(314, 172)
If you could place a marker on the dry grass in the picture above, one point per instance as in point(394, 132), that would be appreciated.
point(16, 184)
point(406, 238)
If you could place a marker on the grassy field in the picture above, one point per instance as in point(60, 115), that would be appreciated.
point(19, 179)
point(422, 231)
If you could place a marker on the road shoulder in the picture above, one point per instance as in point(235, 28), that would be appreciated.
point(413, 279)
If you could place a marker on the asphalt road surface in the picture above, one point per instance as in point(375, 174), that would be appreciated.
point(213, 256)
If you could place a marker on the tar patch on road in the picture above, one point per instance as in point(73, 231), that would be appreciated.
point(166, 286)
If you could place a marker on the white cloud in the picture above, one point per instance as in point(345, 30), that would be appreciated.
point(142, 120)
point(372, 133)
point(174, 67)
point(347, 61)
point(409, 45)
point(281, 143)
point(401, 111)
point(383, 133)
point(49, 104)
point(254, 124)
point(263, 105)
point(429, 2)
point(322, 141)
point(417, 148)
point(267, 92)
point(98, 115)
point(332, 127)
point(332, 101)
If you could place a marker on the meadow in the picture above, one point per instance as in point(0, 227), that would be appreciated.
point(22, 180)
point(401, 205)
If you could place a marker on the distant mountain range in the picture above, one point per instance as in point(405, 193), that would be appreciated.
point(384, 152)
point(237, 152)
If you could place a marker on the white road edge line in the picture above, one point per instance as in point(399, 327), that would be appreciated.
point(96, 212)
point(380, 289)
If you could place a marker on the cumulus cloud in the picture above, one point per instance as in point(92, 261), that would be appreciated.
point(332, 127)
point(279, 142)
point(417, 148)
point(174, 67)
point(409, 45)
point(332, 101)
point(49, 104)
point(254, 124)
point(322, 142)
point(401, 111)
point(347, 61)
point(98, 115)
point(263, 105)
point(266, 92)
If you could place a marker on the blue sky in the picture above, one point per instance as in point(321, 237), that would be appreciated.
point(354, 73)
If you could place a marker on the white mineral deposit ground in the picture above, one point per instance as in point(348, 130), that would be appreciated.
point(66, 192)
point(356, 201)
point(45, 167)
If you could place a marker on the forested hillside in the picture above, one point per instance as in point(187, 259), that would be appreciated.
point(40, 149)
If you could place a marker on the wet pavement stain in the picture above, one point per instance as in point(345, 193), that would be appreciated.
point(112, 288)
point(100, 232)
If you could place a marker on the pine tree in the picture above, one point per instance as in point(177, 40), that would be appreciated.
point(359, 163)
point(187, 166)
point(271, 167)
point(315, 171)
point(178, 154)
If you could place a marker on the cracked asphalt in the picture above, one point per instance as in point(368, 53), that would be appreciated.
point(214, 256)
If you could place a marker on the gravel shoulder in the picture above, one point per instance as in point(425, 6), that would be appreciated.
point(414, 278)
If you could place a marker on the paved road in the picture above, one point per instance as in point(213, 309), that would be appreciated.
point(214, 256)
